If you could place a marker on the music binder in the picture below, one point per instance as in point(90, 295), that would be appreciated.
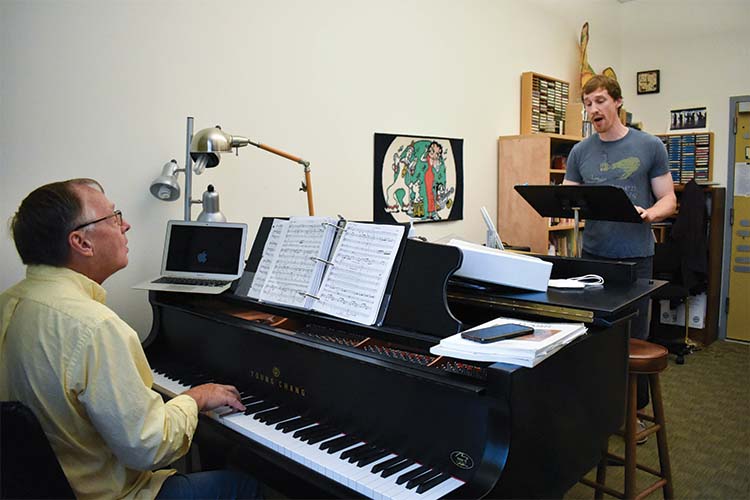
point(328, 265)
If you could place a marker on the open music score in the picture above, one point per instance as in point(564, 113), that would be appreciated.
point(327, 265)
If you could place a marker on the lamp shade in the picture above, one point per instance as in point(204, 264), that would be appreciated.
point(165, 187)
point(211, 211)
point(215, 140)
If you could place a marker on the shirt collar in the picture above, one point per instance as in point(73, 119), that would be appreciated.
point(77, 280)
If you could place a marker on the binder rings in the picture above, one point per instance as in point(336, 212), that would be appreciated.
point(328, 265)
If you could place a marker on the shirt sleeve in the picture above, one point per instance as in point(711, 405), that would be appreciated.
point(115, 388)
point(572, 168)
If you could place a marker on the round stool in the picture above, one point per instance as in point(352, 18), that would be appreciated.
point(648, 359)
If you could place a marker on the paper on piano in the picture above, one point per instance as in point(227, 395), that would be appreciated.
point(328, 265)
point(529, 350)
point(502, 267)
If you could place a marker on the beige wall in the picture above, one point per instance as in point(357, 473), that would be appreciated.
point(702, 51)
point(102, 88)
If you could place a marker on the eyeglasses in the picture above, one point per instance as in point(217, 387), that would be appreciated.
point(117, 215)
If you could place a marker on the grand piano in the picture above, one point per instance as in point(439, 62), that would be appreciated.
point(342, 410)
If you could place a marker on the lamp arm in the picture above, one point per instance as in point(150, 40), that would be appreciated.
point(307, 185)
point(281, 153)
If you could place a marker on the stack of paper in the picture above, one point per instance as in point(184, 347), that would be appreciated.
point(529, 350)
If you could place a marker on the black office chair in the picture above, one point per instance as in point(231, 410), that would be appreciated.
point(28, 466)
point(668, 267)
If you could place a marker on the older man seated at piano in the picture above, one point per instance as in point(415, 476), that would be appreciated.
point(81, 369)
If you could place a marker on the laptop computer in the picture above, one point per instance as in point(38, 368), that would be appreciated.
point(200, 257)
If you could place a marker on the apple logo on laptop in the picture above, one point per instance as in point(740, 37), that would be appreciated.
point(203, 257)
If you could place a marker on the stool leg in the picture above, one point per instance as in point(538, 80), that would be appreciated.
point(631, 423)
point(687, 320)
point(601, 473)
point(661, 435)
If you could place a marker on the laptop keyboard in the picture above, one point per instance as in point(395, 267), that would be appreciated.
point(190, 281)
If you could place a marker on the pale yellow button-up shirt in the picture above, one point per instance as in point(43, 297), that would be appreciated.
point(83, 373)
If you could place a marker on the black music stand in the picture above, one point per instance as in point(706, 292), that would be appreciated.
point(580, 202)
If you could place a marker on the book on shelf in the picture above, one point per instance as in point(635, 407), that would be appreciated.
point(528, 350)
point(328, 265)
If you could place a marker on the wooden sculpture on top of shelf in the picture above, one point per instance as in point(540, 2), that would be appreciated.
point(586, 70)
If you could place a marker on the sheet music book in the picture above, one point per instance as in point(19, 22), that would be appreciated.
point(528, 351)
point(327, 265)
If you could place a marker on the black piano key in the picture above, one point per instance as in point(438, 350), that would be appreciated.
point(313, 432)
point(197, 379)
point(388, 463)
point(356, 457)
point(432, 482)
point(339, 443)
point(275, 416)
point(225, 411)
point(293, 425)
point(303, 433)
point(249, 400)
point(262, 406)
point(371, 458)
point(397, 468)
point(422, 479)
point(246, 390)
point(317, 438)
point(412, 474)
point(358, 449)
point(260, 414)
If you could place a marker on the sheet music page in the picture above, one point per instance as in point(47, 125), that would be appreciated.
point(270, 252)
point(353, 287)
point(295, 268)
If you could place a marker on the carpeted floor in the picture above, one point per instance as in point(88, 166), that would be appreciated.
point(707, 406)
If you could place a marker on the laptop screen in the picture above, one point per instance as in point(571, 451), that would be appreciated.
point(205, 248)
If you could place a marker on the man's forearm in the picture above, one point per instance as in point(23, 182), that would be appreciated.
point(663, 208)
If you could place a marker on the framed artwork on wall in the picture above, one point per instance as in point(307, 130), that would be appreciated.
point(417, 178)
point(648, 82)
point(681, 119)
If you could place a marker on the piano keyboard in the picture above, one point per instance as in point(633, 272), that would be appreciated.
point(365, 468)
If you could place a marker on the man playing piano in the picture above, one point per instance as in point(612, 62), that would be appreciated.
point(81, 369)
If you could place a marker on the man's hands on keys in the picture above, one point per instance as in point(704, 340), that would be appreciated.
point(212, 396)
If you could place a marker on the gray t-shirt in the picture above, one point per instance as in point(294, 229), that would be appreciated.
point(629, 163)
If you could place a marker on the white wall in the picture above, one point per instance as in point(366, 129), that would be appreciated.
point(702, 50)
point(101, 88)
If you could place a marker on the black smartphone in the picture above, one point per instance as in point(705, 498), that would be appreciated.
point(497, 332)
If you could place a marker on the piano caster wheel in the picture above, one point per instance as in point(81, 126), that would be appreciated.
point(680, 359)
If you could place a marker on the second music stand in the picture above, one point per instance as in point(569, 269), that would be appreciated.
point(578, 202)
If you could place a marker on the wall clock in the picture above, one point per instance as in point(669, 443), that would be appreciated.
point(648, 82)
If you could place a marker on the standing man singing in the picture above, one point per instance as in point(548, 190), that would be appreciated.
point(82, 370)
point(636, 162)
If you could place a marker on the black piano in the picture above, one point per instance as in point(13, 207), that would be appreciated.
point(341, 410)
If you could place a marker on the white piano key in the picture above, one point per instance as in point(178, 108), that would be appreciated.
point(390, 489)
point(339, 467)
point(442, 489)
point(371, 483)
point(330, 465)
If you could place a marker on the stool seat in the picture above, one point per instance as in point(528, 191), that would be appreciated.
point(646, 358)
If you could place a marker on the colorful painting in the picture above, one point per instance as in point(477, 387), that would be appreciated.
point(417, 179)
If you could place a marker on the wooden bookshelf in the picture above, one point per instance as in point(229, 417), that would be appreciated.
point(543, 103)
point(528, 159)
